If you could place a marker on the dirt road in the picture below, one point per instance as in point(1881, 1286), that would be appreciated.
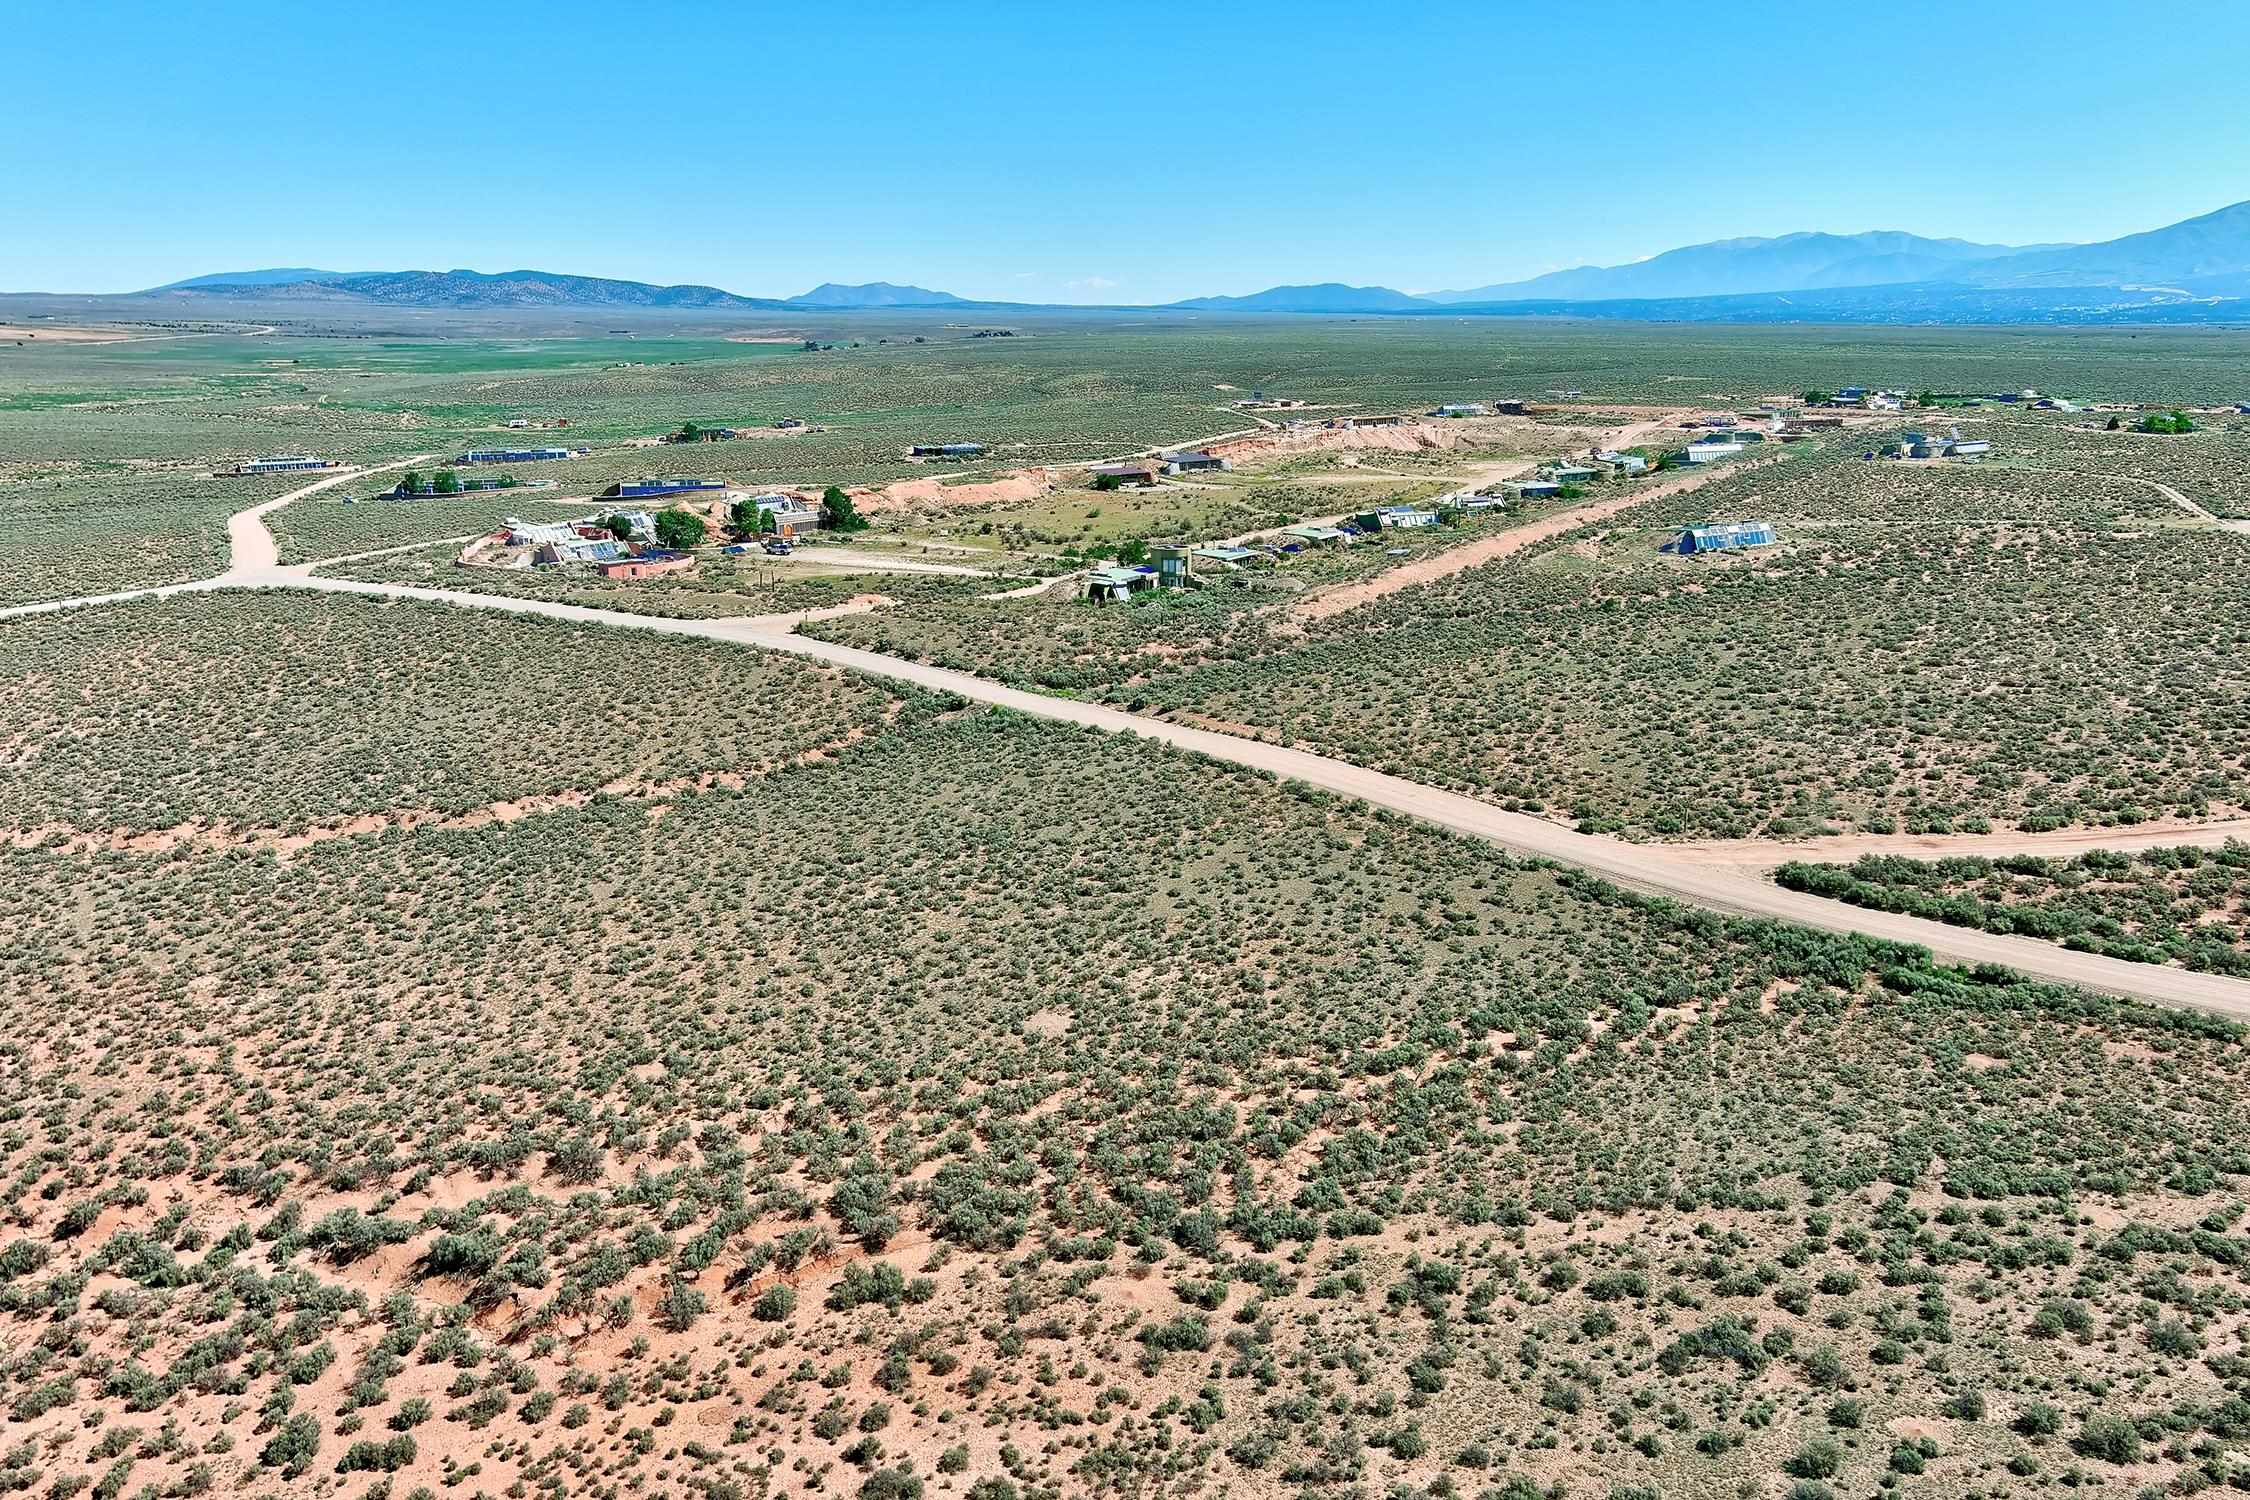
point(1507, 543)
point(253, 545)
point(253, 552)
point(1679, 875)
point(2225, 523)
point(1639, 867)
point(2060, 843)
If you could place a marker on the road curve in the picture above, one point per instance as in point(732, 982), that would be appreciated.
point(1636, 866)
point(1690, 876)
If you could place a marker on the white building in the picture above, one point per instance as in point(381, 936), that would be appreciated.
point(542, 533)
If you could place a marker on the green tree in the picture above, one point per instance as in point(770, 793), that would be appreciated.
point(689, 432)
point(447, 482)
point(678, 530)
point(745, 517)
point(1108, 482)
point(410, 481)
point(1818, 398)
point(619, 527)
point(837, 510)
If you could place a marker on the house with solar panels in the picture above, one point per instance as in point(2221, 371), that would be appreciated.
point(1728, 536)
point(657, 489)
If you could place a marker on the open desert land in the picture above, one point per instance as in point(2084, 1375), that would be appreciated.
point(495, 1031)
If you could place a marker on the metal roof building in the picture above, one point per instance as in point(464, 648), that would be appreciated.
point(283, 462)
point(650, 489)
point(517, 455)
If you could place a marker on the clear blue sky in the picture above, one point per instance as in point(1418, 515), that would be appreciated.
point(1084, 153)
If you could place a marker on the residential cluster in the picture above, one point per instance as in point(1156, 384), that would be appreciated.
point(1921, 445)
point(1179, 565)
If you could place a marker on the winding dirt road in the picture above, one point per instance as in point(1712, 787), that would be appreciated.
point(1690, 875)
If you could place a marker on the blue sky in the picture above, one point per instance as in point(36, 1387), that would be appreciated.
point(1065, 153)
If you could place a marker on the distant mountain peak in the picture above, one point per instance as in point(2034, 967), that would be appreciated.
point(277, 276)
point(1322, 297)
point(871, 294)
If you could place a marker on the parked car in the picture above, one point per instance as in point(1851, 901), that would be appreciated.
point(776, 547)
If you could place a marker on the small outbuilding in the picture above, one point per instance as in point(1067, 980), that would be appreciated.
point(1140, 475)
point(1397, 518)
point(1194, 461)
point(1106, 585)
point(648, 563)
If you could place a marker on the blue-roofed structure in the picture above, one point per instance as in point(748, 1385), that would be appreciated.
point(517, 455)
point(651, 489)
point(1726, 536)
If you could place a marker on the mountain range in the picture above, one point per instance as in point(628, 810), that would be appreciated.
point(1792, 262)
point(2197, 269)
point(476, 289)
point(2203, 257)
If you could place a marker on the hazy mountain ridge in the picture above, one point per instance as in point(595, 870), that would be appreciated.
point(1790, 262)
point(873, 294)
point(1324, 297)
point(277, 276)
point(1898, 277)
point(2204, 248)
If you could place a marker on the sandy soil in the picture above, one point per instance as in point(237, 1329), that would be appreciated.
point(1413, 437)
point(61, 333)
point(1010, 488)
